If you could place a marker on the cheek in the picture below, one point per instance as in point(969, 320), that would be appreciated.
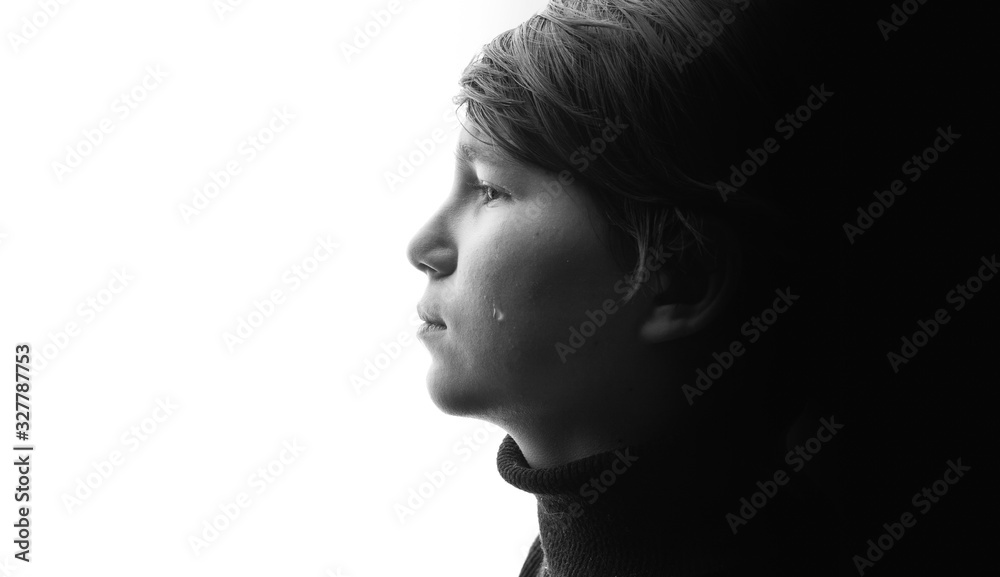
point(527, 292)
point(526, 275)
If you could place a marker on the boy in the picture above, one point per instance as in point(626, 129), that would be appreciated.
point(596, 249)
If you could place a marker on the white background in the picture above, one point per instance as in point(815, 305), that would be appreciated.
point(64, 234)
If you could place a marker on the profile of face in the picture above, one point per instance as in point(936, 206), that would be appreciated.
point(514, 271)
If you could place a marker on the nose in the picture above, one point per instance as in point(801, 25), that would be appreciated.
point(432, 250)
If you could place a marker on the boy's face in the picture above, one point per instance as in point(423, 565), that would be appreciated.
point(511, 270)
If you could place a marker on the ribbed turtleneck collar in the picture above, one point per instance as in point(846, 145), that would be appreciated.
point(628, 512)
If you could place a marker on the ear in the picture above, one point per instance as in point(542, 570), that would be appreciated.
point(693, 298)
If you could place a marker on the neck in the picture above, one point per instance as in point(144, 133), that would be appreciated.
point(629, 416)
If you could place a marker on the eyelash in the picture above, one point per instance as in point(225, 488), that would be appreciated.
point(484, 189)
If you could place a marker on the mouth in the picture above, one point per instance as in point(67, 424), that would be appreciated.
point(432, 322)
point(428, 328)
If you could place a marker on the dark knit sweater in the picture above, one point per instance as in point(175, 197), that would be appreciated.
point(641, 511)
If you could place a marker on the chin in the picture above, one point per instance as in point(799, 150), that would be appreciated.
point(454, 396)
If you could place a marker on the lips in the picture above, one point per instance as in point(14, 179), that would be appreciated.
point(433, 323)
point(430, 317)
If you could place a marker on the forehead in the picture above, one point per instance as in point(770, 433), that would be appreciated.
point(475, 146)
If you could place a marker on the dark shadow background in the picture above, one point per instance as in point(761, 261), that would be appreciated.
point(829, 353)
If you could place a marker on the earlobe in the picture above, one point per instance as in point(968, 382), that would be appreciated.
point(694, 299)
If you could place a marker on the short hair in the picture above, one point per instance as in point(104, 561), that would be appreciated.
point(682, 74)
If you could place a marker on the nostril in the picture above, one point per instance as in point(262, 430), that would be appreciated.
point(432, 249)
point(437, 262)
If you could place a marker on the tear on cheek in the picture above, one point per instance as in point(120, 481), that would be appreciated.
point(497, 313)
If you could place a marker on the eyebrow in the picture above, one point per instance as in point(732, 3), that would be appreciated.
point(471, 153)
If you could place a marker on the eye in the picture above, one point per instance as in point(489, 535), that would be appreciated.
point(489, 193)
